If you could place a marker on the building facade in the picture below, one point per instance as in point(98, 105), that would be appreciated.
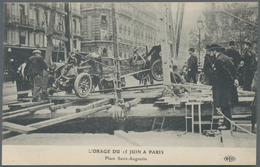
point(25, 29)
point(137, 25)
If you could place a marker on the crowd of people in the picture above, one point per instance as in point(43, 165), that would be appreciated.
point(225, 70)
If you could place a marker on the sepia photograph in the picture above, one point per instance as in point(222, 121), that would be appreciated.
point(129, 83)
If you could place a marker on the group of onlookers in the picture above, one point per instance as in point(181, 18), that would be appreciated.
point(225, 70)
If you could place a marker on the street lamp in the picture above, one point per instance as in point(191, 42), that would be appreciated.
point(200, 26)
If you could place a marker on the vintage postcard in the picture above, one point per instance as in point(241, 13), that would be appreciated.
point(129, 83)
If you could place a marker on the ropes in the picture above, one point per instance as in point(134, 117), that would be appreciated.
point(233, 123)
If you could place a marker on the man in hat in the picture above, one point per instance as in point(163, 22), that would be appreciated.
point(225, 80)
point(192, 66)
point(209, 61)
point(34, 69)
point(249, 63)
point(233, 54)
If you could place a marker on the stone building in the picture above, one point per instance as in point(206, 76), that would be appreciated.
point(25, 27)
point(137, 25)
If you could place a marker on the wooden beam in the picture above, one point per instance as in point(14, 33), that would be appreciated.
point(93, 105)
point(67, 118)
point(25, 111)
point(28, 104)
point(60, 106)
point(131, 103)
point(17, 128)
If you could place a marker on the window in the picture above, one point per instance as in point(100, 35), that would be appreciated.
point(103, 19)
point(36, 40)
point(37, 21)
point(120, 28)
point(74, 26)
point(46, 18)
point(22, 14)
point(22, 37)
point(75, 44)
point(104, 52)
point(5, 35)
point(106, 62)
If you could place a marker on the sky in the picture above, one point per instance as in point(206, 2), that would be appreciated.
point(192, 12)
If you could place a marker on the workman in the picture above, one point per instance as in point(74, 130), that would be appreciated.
point(225, 81)
point(233, 54)
point(175, 75)
point(249, 63)
point(34, 70)
point(192, 66)
point(209, 61)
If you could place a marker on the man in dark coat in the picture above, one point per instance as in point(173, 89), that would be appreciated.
point(254, 103)
point(225, 81)
point(209, 61)
point(233, 53)
point(249, 63)
point(34, 69)
point(192, 66)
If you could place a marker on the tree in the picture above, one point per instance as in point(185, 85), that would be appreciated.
point(222, 25)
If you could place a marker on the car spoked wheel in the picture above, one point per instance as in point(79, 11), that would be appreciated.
point(83, 85)
point(157, 70)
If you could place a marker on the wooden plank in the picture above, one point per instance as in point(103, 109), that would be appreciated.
point(17, 128)
point(60, 106)
point(121, 134)
point(16, 115)
point(227, 138)
point(93, 105)
point(67, 118)
point(28, 104)
point(31, 109)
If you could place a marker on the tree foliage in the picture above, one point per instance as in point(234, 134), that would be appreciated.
point(221, 27)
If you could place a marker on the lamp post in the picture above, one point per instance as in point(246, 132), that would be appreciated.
point(200, 26)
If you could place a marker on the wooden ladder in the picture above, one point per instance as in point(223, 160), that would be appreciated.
point(158, 123)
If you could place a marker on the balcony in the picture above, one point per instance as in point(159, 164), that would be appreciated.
point(46, 5)
point(10, 18)
point(31, 22)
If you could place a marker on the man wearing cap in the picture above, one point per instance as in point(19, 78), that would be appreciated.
point(34, 69)
point(233, 54)
point(225, 81)
point(192, 66)
point(249, 63)
point(209, 61)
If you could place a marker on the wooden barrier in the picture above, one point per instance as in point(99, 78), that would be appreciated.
point(93, 105)
point(25, 111)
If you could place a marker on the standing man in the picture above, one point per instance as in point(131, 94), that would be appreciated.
point(34, 70)
point(249, 63)
point(208, 65)
point(225, 81)
point(233, 54)
point(254, 103)
point(192, 66)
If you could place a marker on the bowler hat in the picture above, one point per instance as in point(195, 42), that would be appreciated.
point(37, 51)
point(247, 42)
point(192, 49)
point(215, 46)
